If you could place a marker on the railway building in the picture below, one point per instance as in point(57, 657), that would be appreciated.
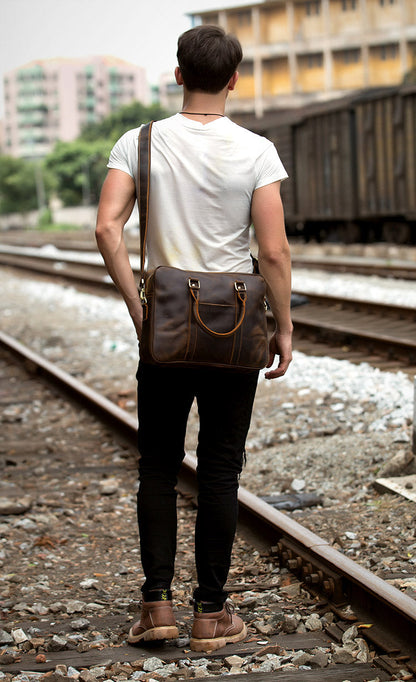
point(300, 51)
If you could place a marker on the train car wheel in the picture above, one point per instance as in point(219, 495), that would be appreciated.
point(396, 233)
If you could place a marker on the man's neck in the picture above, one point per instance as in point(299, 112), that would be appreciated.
point(203, 107)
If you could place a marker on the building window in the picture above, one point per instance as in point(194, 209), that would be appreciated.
point(385, 3)
point(245, 69)
point(241, 18)
point(348, 5)
point(387, 52)
point(312, 8)
point(351, 56)
point(314, 61)
point(244, 18)
point(210, 19)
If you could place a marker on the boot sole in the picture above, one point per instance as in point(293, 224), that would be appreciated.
point(215, 643)
point(166, 632)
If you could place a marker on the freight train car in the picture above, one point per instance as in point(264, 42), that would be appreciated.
point(386, 162)
point(351, 165)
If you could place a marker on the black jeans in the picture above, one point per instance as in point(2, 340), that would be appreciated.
point(225, 400)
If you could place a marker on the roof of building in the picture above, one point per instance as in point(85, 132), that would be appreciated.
point(107, 60)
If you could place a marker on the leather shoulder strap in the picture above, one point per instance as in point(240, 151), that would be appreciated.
point(143, 188)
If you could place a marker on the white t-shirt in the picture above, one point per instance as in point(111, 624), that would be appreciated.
point(201, 185)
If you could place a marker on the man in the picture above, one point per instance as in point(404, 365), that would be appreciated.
point(209, 180)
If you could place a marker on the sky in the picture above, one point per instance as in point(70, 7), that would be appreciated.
point(143, 32)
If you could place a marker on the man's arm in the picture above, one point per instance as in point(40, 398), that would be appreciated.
point(274, 264)
point(117, 199)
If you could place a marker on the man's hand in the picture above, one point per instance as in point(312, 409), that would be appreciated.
point(280, 344)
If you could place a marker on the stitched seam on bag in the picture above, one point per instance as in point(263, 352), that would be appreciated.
point(241, 333)
point(188, 340)
point(237, 322)
point(194, 329)
point(234, 335)
point(153, 318)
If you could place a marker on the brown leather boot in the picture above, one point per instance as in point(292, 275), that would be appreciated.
point(211, 631)
point(157, 621)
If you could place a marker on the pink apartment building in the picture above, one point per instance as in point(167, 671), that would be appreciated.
point(53, 99)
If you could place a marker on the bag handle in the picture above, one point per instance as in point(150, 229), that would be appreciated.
point(143, 193)
point(241, 293)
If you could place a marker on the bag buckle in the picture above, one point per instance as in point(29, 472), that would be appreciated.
point(193, 283)
point(241, 290)
point(142, 292)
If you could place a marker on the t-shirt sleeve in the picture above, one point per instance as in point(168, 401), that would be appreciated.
point(269, 167)
point(123, 155)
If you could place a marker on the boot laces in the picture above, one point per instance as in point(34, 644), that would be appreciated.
point(229, 607)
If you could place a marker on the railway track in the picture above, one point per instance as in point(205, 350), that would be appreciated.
point(382, 267)
point(375, 329)
point(387, 617)
point(381, 261)
point(348, 326)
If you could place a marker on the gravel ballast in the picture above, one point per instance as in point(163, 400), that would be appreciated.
point(329, 427)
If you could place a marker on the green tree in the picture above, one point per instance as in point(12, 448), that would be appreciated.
point(24, 185)
point(79, 169)
point(116, 124)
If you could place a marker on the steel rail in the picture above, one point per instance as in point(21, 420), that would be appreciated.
point(399, 269)
point(350, 303)
point(339, 578)
point(40, 263)
point(407, 344)
point(59, 256)
point(351, 264)
point(44, 266)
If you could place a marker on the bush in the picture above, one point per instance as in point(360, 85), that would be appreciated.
point(45, 218)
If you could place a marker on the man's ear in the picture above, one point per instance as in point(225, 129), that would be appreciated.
point(233, 81)
point(178, 76)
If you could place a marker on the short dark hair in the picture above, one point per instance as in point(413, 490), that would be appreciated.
point(208, 57)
